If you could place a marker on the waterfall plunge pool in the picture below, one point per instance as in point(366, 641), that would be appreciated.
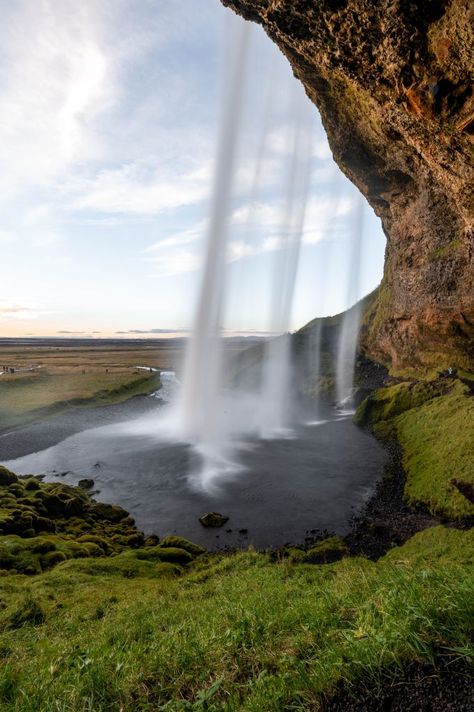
point(286, 487)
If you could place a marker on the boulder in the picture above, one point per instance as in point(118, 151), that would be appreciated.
point(7, 477)
point(213, 519)
point(109, 512)
point(86, 484)
point(180, 543)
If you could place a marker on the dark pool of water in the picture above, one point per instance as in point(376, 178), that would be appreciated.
point(314, 481)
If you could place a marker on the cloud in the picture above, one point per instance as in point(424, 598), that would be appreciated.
point(154, 331)
point(54, 81)
point(258, 230)
point(146, 186)
point(180, 238)
point(22, 312)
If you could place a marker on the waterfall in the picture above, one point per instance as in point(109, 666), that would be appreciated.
point(275, 399)
point(199, 405)
point(349, 330)
point(208, 416)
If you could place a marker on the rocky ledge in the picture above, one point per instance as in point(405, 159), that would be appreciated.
point(393, 83)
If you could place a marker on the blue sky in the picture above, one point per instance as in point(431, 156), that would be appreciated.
point(108, 122)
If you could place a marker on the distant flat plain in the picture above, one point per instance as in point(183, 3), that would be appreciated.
point(52, 375)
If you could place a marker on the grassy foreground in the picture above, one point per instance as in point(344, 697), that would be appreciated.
point(96, 618)
point(234, 632)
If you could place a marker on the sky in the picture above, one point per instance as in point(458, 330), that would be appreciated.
point(109, 118)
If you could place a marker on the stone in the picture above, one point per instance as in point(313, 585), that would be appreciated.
point(392, 82)
point(109, 512)
point(86, 484)
point(32, 484)
point(213, 519)
point(7, 477)
point(180, 543)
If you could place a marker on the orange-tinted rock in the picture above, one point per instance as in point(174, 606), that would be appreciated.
point(393, 83)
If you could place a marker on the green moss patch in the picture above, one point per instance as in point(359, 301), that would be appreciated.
point(323, 552)
point(180, 543)
point(387, 403)
point(438, 445)
point(433, 422)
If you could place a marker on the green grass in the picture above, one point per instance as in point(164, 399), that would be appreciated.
point(438, 445)
point(386, 403)
point(235, 632)
point(433, 422)
point(29, 398)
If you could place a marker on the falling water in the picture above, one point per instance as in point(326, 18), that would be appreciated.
point(199, 401)
point(275, 400)
point(208, 418)
point(347, 345)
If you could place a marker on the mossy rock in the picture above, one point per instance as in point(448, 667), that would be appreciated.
point(181, 543)
point(52, 558)
point(44, 524)
point(169, 554)
point(54, 505)
point(108, 512)
point(86, 484)
point(43, 546)
point(294, 553)
point(16, 489)
point(32, 484)
point(7, 477)
point(213, 520)
point(74, 506)
point(325, 552)
point(97, 540)
point(93, 549)
point(30, 532)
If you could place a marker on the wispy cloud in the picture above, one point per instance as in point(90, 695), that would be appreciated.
point(146, 186)
point(55, 78)
point(258, 230)
point(22, 312)
point(154, 331)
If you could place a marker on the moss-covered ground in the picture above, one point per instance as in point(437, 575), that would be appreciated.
point(233, 632)
point(434, 423)
point(94, 617)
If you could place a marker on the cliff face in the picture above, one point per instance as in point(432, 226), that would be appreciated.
point(393, 83)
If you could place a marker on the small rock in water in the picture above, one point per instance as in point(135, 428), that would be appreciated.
point(213, 519)
point(243, 531)
point(86, 484)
